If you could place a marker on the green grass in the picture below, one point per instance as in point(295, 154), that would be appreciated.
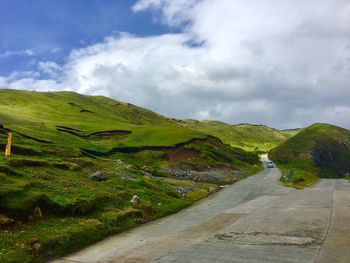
point(78, 211)
point(299, 173)
point(38, 115)
point(321, 150)
point(255, 138)
point(50, 169)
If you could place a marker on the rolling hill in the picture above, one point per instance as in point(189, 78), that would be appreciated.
point(257, 138)
point(78, 160)
point(321, 150)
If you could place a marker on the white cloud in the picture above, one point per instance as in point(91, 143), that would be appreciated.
point(49, 67)
point(278, 62)
point(174, 13)
point(26, 52)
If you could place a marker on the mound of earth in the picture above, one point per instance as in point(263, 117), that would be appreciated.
point(321, 148)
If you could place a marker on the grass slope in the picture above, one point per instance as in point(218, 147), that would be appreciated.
point(61, 138)
point(38, 115)
point(321, 150)
point(258, 138)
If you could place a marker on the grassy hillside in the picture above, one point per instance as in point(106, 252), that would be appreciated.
point(48, 115)
point(49, 203)
point(321, 150)
point(259, 138)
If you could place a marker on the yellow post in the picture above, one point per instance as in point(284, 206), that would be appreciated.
point(9, 143)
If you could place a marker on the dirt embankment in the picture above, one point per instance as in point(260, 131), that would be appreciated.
point(181, 154)
point(94, 135)
point(332, 156)
point(209, 139)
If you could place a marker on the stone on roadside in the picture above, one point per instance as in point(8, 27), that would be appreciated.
point(211, 190)
point(99, 176)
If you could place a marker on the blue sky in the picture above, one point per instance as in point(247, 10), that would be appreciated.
point(52, 28)
point(281, 63)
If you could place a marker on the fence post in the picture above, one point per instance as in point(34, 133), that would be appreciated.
point(9, 144)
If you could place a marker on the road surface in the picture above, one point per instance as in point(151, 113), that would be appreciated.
point(255, 220)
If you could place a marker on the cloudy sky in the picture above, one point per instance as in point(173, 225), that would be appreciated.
point(278, 62)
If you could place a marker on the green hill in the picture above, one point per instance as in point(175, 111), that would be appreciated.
point(321, 150)
point(78, 160)
point(259, 138)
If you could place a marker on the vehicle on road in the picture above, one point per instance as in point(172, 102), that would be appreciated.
point(270, 164)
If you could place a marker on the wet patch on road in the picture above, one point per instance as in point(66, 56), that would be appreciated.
point(300, 238)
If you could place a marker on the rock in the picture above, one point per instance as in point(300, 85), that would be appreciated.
point(211, 190)
point(4, 220)
point(99, 176)
point(119, 162)
point(123, 164)
point(135, 200)
point(147, 169)
point(181, 174)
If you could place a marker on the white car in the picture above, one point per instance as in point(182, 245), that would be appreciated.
point(270, 165)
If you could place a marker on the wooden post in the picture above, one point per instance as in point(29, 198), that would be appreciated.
point(9, 144)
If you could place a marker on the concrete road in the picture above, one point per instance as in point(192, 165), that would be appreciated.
point(255, 220)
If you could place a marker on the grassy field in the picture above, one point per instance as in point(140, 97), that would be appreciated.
point(40, 114)
point(256, 138)
point(49, 206)
point(321, 150)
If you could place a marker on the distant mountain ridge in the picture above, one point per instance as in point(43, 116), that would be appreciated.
point(250, 137)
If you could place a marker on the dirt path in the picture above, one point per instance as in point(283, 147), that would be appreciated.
point(255, 220)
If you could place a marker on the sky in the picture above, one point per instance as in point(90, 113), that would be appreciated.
point(282, 63)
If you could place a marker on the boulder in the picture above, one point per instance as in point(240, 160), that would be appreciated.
point(4, 220)
point(135, 200)
point(99, 176)
point(211, 190)
point(119, 162)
